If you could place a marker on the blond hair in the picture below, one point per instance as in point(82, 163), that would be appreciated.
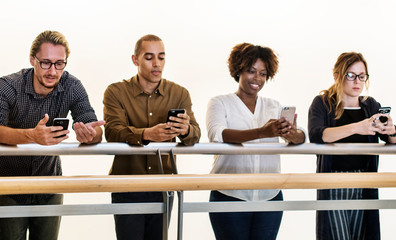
point(333, 95)
point(48, 36)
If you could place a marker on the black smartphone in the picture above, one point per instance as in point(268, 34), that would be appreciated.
point(64, 122)
point(173, 113)
point(385, 110)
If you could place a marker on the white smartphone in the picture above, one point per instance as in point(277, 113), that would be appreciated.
point(288, 113)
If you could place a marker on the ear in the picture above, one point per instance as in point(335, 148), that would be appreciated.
point(32, 60)
point(335, 75)
point(134, 60)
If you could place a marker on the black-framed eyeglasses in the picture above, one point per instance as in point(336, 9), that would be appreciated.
point(352, 76)
point(47, 65)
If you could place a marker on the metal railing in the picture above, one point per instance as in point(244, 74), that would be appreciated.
point(183, 182)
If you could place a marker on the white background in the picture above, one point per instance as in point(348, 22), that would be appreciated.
point(307, 35)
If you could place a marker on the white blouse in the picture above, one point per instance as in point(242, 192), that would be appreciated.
point(229, 112)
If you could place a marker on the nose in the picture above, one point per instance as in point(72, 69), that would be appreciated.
point(156, 62)
point(256, 75)
point(52, 69)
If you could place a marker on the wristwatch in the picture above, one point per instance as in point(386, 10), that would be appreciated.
point(393, 135)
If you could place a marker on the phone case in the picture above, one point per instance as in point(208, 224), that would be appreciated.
point(288, 113)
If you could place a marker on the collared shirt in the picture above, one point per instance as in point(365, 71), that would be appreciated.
point(229, 112)
point(21, 107)
point(128, 110)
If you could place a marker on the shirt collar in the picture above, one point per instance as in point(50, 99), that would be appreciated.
point(137, 88)
point(30, 88)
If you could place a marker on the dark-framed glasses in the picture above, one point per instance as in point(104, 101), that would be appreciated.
point(59, 65)
point(352, 76)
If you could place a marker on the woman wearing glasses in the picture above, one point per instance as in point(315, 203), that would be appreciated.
point(244, 116)
point(341, 115)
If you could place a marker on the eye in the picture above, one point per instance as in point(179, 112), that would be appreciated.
point(251, 71)
point(263, 74)
point(351, 75)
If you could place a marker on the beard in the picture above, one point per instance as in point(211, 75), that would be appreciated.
point(47, 86)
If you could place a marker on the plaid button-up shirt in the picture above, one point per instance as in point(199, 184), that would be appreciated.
point(21, 107)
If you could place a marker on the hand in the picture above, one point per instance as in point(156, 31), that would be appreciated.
point(85, 133)
point(274, 128)
point(369, 126)
point(159, 133)
point(292, 134)
point(44, 135)
point(181, 124)
point(383, 128)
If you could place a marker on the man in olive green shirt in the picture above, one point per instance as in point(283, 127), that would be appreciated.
point(136, 112)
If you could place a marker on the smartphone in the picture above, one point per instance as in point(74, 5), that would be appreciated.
point(288, 113)
point(385, 110)
point(173, 113)
point(64, 122)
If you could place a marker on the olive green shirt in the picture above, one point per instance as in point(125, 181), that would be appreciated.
point(128, 110)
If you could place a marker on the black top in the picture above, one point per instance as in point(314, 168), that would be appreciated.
point(350, 163)
point(320, 118)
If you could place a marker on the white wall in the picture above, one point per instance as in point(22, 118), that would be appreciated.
point(308, 35)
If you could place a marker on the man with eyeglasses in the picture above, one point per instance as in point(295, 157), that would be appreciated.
point(29, 101)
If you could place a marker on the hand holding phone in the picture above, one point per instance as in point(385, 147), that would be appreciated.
point(385, 110)
point(64, 122)
point(173, 113)
point(288, 113)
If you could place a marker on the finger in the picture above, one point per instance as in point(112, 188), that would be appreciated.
point(58, 133)
point(44, 120)
point(97, 123)
point(82, 132)
point(285, 125)
point(282, 119)
point(89, 133)
point(56, 128)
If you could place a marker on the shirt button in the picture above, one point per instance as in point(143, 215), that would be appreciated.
point(150, 96)
point(151, 114)
point(149, 168)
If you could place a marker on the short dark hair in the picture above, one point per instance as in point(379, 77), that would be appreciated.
point(148, 37)
point(244, 55)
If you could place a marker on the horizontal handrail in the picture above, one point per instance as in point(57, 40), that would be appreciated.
point(187, 182)
point(199, 148)
point(191, 207)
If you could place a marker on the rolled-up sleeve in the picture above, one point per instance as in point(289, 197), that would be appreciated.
point(216, 120)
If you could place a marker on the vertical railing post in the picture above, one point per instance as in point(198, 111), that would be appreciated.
point(180, 197)
point(165, 199)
